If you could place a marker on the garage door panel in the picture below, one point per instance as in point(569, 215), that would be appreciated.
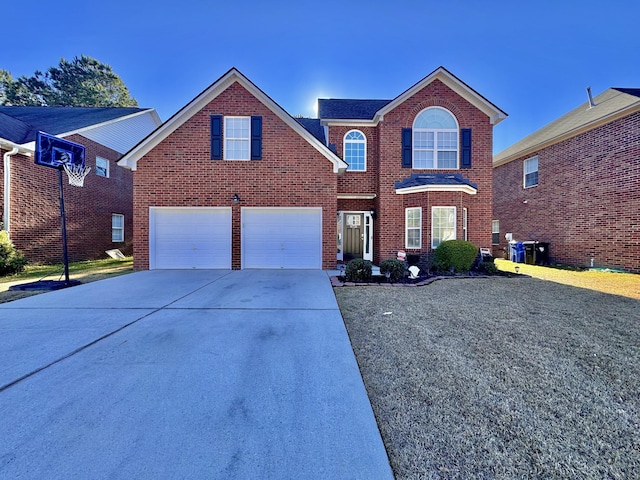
point(282, 238)
point(190, 238)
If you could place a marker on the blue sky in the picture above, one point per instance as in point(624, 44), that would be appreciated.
point(532, 59)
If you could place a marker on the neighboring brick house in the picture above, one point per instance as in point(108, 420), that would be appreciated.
point(576, 185)
point(233, 181)
point(99, 215)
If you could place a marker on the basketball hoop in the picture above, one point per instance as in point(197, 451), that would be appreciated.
point(76, 173)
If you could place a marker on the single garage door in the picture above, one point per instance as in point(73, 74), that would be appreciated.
point(189, 237)
point(282, 238)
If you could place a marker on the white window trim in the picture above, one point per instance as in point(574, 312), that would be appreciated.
point(225, 150)
point(455, 221)
point(524, 172)
point(107, 167)
point(435, 141)
point(465, 224)
point(344, 149)
point(117, 229)
point(406, 228)
point(495, 228)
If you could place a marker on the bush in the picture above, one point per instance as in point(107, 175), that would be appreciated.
point(488, 267)
point(358, 270)
point(458, 254)
point(11, 260)
point(394, 267)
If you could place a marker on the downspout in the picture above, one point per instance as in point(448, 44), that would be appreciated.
point(7, 189)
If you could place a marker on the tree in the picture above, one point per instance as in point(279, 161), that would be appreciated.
point(82, 82)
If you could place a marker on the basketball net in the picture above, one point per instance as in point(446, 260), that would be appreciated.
point(76, 174)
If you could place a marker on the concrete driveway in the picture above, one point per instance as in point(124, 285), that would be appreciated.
point(185, 374)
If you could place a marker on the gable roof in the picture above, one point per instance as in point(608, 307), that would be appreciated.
point(118, 128)
point(610, 105)
point(333, 111)
point(130, 159)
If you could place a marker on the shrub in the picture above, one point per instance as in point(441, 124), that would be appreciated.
point(488, 267)
point(458, 254)
point(358, 270)
point(11, 260)
point(394, 267)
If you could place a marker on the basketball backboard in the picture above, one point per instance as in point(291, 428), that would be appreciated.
point(55, 152)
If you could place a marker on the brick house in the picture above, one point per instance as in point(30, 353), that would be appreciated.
point(234, 181)
point(575, 183)
point(99, 215)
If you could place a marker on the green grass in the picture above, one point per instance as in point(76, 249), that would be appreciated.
point(32, 272)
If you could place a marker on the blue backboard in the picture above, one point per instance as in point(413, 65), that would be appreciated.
point(54, 152)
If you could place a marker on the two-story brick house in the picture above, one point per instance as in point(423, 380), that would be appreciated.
point(575, 184)
point(233, 181)
point(99, 215)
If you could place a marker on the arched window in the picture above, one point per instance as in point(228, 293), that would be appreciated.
point(435, 139)
point(355, 151)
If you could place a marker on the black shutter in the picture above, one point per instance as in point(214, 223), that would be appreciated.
point(406, 148)
point(465, 151)
point(216, 137)
point(256, 138)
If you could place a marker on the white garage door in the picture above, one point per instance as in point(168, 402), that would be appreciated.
point(197, 237)
point(282, 238)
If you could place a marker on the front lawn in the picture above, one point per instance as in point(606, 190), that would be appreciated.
point(500, 378)
point(86, 271)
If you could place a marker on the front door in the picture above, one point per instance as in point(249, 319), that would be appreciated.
point(353, 235)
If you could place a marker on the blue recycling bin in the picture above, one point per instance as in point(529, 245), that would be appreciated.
point(516, 252)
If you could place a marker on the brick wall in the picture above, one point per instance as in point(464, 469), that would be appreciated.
point(35, 208)
point(180, 172)
point(587, 202)
point(385, 155)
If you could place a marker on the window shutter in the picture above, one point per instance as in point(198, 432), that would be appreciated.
point(256, 138)
point(406, 148)
point(465, 152)
point(216, 137)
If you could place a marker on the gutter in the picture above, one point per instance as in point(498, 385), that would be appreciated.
point(15, 149)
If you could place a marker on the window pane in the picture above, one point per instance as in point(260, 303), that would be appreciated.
point(443, 225)
point(354, 151)
point(447, 159)
point(447, 140)
point(435, 118)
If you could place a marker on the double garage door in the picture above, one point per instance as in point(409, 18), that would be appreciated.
point(201, 237)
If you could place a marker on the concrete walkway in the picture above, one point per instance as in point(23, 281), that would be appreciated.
point(185, 374)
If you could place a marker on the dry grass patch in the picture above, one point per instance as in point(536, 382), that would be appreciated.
point(500, 378)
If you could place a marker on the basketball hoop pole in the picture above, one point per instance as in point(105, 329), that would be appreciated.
point(65, 255)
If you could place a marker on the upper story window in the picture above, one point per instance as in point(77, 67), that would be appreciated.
point(102, 167)
point(435, 139)
point(237, 138)
point(240, 138)
point(355, 151)
point(531, 172)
